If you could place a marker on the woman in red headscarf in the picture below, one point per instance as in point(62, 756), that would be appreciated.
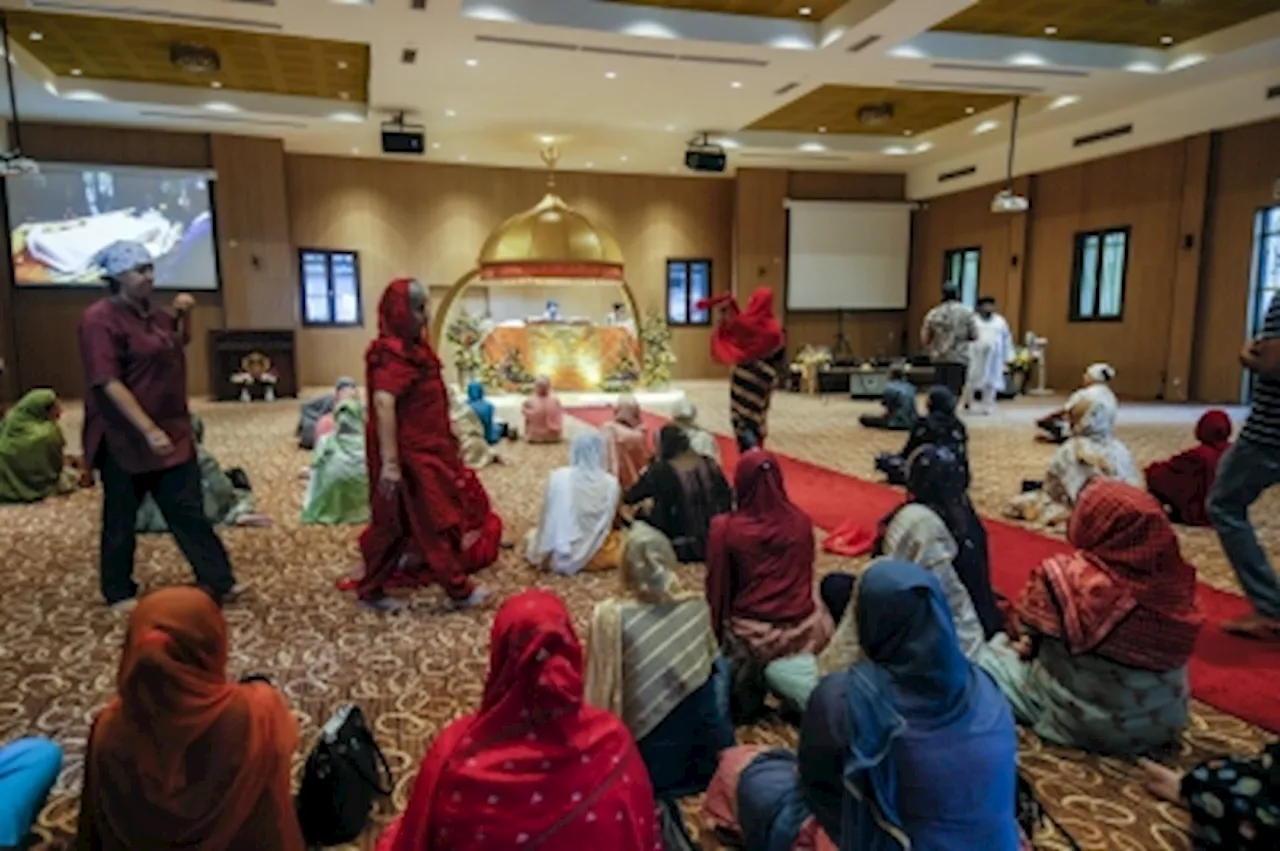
point(752, 342)
point(420, 497)
point(1183, 482)
point(760, 579)
point(535, 766)
point(182, 759)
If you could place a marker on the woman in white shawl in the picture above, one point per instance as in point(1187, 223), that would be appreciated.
point(685, 414)
point(1092, 450)
point(1095, 386)
point(467, 428)
point(579, 513)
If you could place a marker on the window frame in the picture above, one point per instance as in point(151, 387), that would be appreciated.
point(1077, 272)
point(688, 263)
point(963, 252)
point(329, 254)
point(1262, 237)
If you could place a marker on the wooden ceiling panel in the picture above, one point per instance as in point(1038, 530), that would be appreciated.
point(1132, 22)
point(915, 111)
point(138, 52)
point(819, 9)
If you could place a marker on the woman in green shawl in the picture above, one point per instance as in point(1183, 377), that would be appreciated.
point(224, 503)
point(32, 465)
point(339, 489)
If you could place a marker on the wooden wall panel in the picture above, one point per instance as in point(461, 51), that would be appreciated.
point(429, 221)
point(115, 145)
point(1245, 171)
point(1187, 267)
point(846, 186)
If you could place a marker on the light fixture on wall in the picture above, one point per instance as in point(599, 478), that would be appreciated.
point(1006, 200)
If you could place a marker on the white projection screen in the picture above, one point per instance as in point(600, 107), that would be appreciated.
point(844, 255)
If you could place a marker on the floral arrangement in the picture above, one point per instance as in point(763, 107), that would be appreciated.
point(813, 356)
point(655, 338)
point(466, 334)
point(510, 374)
point(623, 376)
point(255, 368)
point(1022, 360)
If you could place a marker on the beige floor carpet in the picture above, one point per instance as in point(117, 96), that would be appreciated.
point(414, 672)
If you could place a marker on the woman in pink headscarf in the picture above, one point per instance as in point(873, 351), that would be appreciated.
point(543, 416)
point(626, 444)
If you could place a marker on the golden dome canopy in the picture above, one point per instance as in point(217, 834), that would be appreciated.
point(551, 240)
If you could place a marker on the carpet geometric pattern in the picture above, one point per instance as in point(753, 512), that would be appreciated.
point(412, 673)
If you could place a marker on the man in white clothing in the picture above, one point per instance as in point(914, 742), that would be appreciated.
point(988, 355)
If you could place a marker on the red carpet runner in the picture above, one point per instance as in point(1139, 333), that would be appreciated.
point(1240, 677)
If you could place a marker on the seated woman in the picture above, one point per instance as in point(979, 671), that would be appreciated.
point(344, 390)
point(686, 490)
point(899, 401)
point(338, 492)
point(32, 464)
point(1182, 484)
point(760, 580)
point(938, 427)
point(1110, 628)
point(543, 414)
point(1092, 452)
point(494, 429)
point(228, 497)
point(315, 410)
point(182, 758)
point(28, 769)
point(473, 442)
point(656, 664)
point(1056, 425)
point(685, 414)
point(626, 443)
point(535, 765)
point(881, 743)
point(577, 529)
point(1234, 801)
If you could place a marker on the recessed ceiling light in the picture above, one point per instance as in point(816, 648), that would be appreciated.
point(623, 157)
point(822, 128)
point(36, 35)
point(1051, 30)
point(76, 72)
point(435, 146)
point(355, 150)
point(806, 11)
point(342, 65)
point(671, 169)
point(1166, 39)
point(811, 147)
point(907, 132)
point(1064, 100)
point(546, 140)
point(344, 95)
point(221, 106)
point(215, 84)
point(462, 158)
point(968, 110)
point(346, 118)
point(735, 85)
point(590, 164)
point(611, 75)
point(896, 151)
point(471, 63)
point(923, 146)
point(449, 113)
point(670, 128)
point(985, 127)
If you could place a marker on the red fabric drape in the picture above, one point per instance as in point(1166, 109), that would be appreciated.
point(182, 758)
point(1126, 594)
point(745, 335)
point(535, 766)
point(760, 557)
point(1184, 481)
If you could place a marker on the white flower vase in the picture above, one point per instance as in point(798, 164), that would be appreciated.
point(244, 394)
point(270, 395)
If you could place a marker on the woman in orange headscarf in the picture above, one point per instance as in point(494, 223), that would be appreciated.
point(415, 469)
point(182, 759)
point(535, 767)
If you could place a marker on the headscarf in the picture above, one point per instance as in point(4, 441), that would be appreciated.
point(942, 401)
point(484, 410)
point(914, 675)
point(627, 411)
point(1214, 429)
point(344, 383)
point(745, 335)
point(31, 447)
point(396, 340)
point(534, 761)
point(543, 415)
point(653, 645)
point(182, 757)
point(339, 488)
point(626, 450)
point(685, 414)
point(578, 510)
point(760, 557)
point(1126, 594)
point(122, 256)
point(1100, 373)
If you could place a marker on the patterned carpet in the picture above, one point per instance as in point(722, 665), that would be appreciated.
point(414, 672)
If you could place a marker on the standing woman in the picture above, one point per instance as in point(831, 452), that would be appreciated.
point(752, 342)
point(137, 429)
point(415, 466)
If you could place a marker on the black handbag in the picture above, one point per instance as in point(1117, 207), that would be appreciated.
point(345, 771)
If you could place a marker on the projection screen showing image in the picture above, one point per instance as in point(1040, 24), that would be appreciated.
point(60, 219)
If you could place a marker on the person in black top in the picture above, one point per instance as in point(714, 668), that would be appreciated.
point(686, 489)
point(939, 427)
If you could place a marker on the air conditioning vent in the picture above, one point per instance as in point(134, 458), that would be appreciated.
point(864, 44)
point(1009, 69)
point(970, 86)
point(1102, 135)
point(527, 42)
point(724, 60)
point(409, 55)
point(153, 15)
point(418, 5)
point(1273, 92)
point(631, 54)
point(761, 156)
point(207, 118)
point(789, 87)
point(958, 173)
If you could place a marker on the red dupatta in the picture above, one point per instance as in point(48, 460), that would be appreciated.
point(1126, 594)
point(745, 335)
point(535, 766)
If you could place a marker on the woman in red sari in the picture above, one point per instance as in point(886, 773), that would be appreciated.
point(1182, 483)
point(535, 766)
point(419, 501)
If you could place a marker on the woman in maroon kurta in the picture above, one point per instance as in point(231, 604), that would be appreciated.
point(417, 503)
point(1182, 483)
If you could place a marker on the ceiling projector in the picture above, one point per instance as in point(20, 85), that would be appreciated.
point(1007, 201)
point(702, 155)
point(15, 165)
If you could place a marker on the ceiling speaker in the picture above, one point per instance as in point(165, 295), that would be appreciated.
point(194, 58)
point(875, 114)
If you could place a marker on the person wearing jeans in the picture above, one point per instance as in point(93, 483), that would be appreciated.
point(137, 429)
point(1250, 467)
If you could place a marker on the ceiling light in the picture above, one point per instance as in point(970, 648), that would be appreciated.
point(611, 75)
point(355, 150)
point(985, 127)
point(623, 157)
point(649, 29)
point(1027, 60)
point(1188, 61)
point(1051, 30)
point(1064, 100)
point(449, 113)
point(462, 158)
point(968, 110)
point(546, 140)
point(50, 87)
point(923, 146)
point(907, 132)
point(822, 128)
point(471, 63)
point(1166, 40)
point(346, 118)
point(344, 95)
point(342, 65)
point(670, 128)
point(36, 35)
point(806, 11)
point(729, 144)
point(1142, 68)
point(811, 147)
point(215, 84)
point(735, 85)
point(671, 169)
point(590, 164)
point(86, 95)
point(435, 146)
point(906, 51)
point(76, 72)
point(896, 151)
point(221, 106)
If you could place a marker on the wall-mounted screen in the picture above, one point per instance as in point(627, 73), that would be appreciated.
point(846, 255)
point(60, 218)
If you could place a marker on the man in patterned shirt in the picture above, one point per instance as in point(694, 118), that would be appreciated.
point(1251, 466)
point(947, 331)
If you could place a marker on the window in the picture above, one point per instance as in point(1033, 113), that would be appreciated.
point(1101, 262)
point(330, 287)
point(1266, 265)
point(688, 282)
point(960, 267)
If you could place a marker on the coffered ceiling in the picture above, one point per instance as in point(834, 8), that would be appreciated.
point(815, 9)
point(876, 111)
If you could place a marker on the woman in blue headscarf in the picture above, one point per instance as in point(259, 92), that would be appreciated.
point(881, 742)
point(484, 410)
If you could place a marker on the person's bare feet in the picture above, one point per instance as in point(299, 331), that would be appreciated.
point(480, 598)
point(1254, 625)
point(1161, 781)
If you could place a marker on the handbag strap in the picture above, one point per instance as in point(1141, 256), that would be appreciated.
point(374, 782)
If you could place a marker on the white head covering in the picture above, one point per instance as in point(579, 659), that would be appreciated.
point(1100, 373)
point(122, 256)
point(578, 509)
point(684, 412)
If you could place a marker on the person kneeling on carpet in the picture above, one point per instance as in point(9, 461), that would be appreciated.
point(32, 463)
point(1055, 426)
point(1183, 483)
point(938, 427)
point(228, 495)
point(578, 526)
point(626, 442)
point(1109, 629)
point(543, 414)
point(317, 413)
point(899, 401)
point(338, 490)
point(468, 429)
point(684, 491)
